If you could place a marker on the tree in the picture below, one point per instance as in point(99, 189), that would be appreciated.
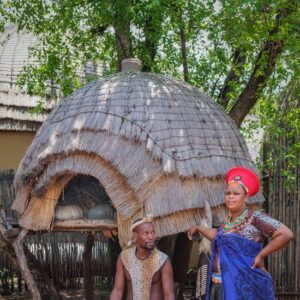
point(191, 40)
point(280, 116)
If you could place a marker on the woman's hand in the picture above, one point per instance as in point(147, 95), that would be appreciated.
point(280, 239)
point(192, 231)
point(259, 263)
point(209, 233)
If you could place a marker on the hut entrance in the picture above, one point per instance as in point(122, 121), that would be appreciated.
point(84, 205)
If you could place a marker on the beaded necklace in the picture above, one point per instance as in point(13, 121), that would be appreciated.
point(238, 221)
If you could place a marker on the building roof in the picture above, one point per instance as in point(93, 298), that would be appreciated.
point(16, 105)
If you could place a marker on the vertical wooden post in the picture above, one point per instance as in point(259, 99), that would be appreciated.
point(87, 266)
point(19, 282)
point(180, 261)
point(167, 244)
point(114, 252)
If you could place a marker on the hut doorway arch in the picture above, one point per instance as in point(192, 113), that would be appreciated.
point(89, 195)
point(36, 203)
point(84, 205)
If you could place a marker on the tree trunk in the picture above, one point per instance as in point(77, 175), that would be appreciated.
point(232, 77)
point(152, 34)
point(122, 20)
point(180, 261)
point(37, 280)
point(23, 265)
point(263, 68)
point(184, 52)
point(87, 266)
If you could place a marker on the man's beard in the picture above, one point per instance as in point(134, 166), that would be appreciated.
point(146, 247)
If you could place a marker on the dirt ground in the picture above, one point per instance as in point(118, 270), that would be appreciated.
point(78, 295)
point(68, 295)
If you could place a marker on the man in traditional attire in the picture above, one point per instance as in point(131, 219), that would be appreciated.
point(146, 270)
point(237, 269)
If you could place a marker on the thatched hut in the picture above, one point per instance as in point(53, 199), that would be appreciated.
point(155, 144)
point(18, 124)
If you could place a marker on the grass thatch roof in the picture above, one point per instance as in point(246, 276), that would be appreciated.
point(156, 145)
point(15, 104)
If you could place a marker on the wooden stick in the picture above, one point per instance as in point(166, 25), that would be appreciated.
point(84, 225)
point(87, 266)
point(22, 262)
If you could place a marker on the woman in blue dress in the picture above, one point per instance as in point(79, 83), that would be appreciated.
point(237, 269)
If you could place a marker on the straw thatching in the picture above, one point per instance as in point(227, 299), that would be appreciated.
point(155, 144)
point(15, 104)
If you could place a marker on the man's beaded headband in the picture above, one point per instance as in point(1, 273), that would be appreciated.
point(147, 219)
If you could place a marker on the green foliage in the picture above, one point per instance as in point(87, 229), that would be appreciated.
point(104, 285)
point(4, 288)
point(281, 118)
point(279, 115)
point(38, 109)
point(73, 33)
point(3, 273)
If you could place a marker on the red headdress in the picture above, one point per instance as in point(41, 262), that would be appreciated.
point(245, 177)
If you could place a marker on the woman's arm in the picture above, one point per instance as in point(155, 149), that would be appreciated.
point(209, 233)
point(281, 237)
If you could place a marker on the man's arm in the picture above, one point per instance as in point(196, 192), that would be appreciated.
point(117, 292)
point(167, 281)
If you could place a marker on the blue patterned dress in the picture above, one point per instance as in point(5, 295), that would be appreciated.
point(234, 252)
